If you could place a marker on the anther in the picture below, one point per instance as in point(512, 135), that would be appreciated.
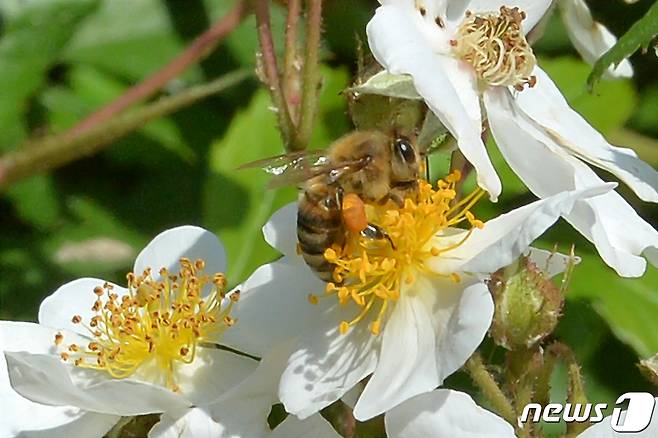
point(375, 327)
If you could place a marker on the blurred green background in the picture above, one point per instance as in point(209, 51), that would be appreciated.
point(61, 59)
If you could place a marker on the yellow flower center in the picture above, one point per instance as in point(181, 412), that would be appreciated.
point(159, 323)
point(496, 47)
point(372, 272)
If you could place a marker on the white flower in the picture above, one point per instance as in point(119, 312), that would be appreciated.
point(444, 414)
point(101, 351)
point(590, 38)
point(409, 315)
point(243, 411)
point(604, 428)
point(464, 54)
point(22, 417)
point(447, 413)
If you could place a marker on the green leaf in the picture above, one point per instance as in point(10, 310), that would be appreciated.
point(129, 38)
point(639, 35)
point(35, 34)
point(390, 85)
point(134, 38)
point(629, 306)
point(35, 201)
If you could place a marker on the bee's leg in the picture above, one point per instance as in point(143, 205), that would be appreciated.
point(402, 191)
point(395, 196)
point(373, 231)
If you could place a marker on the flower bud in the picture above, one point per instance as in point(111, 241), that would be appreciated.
point(528, 305)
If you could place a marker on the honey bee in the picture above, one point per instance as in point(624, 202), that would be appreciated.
point(363, 166)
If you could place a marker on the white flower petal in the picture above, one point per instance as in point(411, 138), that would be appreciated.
point(314, 426)
point(243, 410)
point(22, 417)
point(606, 221)
point(552, 263)
point(280, 231)
point(444, 413)
point(213, 372)
point(546, 169)
point(504, 238)
point(45, 379)
point(534, 9)
point(590, 38)
point(74, 298)
point(56, 422)
point(545, 105)
point(432, 8)
point(604, 428)
point(188, 423)
point(325, 364)
point(402, 46)
point(274, 306)
point(167, 248)
point(405, 367)
point(462, 315)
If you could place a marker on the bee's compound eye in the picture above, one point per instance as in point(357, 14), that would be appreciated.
point(405, 150)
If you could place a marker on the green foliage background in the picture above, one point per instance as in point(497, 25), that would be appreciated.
point(61, 59)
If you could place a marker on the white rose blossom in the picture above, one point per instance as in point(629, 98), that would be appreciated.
point(470, 61)
point(408, 311)
point(102, 351)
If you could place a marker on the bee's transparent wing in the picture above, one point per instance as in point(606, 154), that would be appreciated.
point(296, 167)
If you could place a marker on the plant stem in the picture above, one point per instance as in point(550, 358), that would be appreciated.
point(576, 393)
point(311, 74)
point(485, 381)
point(291, 67)
point(55, 151)
point(271, 70)
point(199, 49)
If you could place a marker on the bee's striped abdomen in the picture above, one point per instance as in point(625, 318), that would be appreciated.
point(319, 225)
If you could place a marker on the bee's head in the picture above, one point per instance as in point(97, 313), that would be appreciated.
point(405, 160)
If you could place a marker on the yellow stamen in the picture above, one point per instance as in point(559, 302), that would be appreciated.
point(374, 272)
point(160, 322)
point(496, 47)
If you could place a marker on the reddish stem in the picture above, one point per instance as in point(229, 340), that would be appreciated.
point(271, 69)
point(199, 48)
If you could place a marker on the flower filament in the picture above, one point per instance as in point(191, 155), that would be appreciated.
point(374, 272)
point(496, 47)
point(160, 322)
